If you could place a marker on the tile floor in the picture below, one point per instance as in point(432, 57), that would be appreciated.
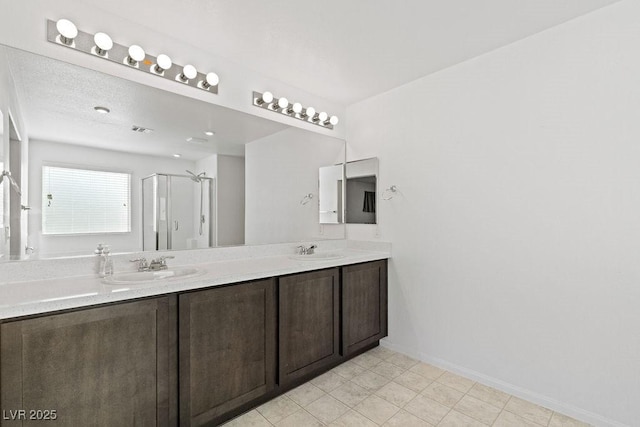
point(385, 388)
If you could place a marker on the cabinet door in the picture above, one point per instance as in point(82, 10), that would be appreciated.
point(227, 349)
point(309, 320)
point(364, 305)
point(106, 366)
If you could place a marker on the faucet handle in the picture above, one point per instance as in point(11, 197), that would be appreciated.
point(143, 264)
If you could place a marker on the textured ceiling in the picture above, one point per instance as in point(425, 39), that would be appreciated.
point(347, 50)
point(58, 101)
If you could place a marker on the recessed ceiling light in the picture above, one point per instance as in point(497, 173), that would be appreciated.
point(209, 133)
point(102, 110)
point(177, 155)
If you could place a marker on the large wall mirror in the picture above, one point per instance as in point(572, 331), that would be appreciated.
point(116, 162)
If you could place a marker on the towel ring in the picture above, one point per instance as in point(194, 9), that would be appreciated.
point(389, 193)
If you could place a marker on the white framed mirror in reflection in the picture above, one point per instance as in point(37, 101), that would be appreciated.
point(135, 167)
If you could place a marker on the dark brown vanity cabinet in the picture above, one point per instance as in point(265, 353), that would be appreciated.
point(309, 323)
point(227, 349)
point(106, 366)
point(364, 305)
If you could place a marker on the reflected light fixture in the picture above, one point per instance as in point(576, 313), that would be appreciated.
point(209, 133)
point(177, 155)
point(163, 63)
point(136, 54)
point(67, 31)
point(103, 44)
point(189, 72)
point(63, 32)
point(295, 110)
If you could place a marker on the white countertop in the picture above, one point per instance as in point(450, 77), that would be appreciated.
point(42, 296)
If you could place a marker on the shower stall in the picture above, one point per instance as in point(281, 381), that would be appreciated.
point(178, 211)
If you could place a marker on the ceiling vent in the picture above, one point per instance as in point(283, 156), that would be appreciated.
point(196, 140)
point(140, 129)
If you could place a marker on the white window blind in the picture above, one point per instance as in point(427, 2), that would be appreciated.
point(81, 201)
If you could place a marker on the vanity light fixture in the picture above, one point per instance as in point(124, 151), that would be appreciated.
point(210, 80)
point(100, 45)
point(136, 54)
point(67, 32)
point(267, 101)
point(189, 72)
point(266, 98)
point(101, 110)
point(103, 44)
point(163, 63)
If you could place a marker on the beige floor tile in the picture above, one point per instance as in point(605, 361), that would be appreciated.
point(456, 419)
point(489, 395)
point(508, 419)
point(366, 360)
point(278, 409)
point(300, 418)
point(327, 409)
point(529, 411)
point(370, 381)
point(559, 420)
point(405, 419)
point(388, 370)
point(250, 419)
point(348, 370)
point(456, 381)
point(413, 381)
point(442, 394)
point(328, 381)
point(427, 371)
point(353, 419)
point(426, 409)
point(381, 352)
point(401, 360)
point(377, 409)
point(305, 394)
point(350, 394)
point(396, 394)
point(477, 409)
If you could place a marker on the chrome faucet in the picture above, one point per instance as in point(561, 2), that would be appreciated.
point(306, 250)
point(160, 263)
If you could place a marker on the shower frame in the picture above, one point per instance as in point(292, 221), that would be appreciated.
point(156, 200)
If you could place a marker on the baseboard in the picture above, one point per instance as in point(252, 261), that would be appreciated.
point(539, 399)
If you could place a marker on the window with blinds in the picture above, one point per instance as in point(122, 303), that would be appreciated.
point(82, 201)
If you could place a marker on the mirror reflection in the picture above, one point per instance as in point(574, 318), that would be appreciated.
point(361, 189)
point(116, 162)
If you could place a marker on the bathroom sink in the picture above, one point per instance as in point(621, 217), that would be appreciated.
point(152, 276)
point(322, 256)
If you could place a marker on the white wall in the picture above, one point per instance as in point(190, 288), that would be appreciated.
point(515, 231)
point(70, 155)
point(280, 170)
point(231, 199)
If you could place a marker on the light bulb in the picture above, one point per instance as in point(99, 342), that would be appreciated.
point(188, 72)
point(68, 31)
point(297, 108)
point(310, 112)
point(136, 54)
point(103, 43)
point(323, 116)
point(283, 102)
point(266, 97)
point(163, 63)
point(333, 120)
point(211, 79)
